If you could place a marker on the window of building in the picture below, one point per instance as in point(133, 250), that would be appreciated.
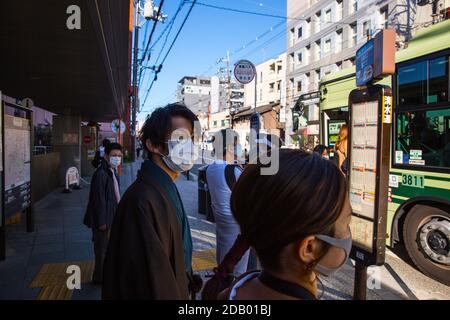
point(299, 86)
point(279, 68)
point(308, 53)
point(222, 123)
point(261, 77)
point(424, 82)
point(279, 86)
point(354, 6)
point(299, 32)
point(366, 29)
point(327, 46)
point(292, 36)
point(339, 9)
point(260, 95)
point(215, 124)
point(339, 40)
point(272, 87)
point(317, 50)
point(328, 16)
point(317, 24)
point(299, 58)
point(272, 68)
point(353, 34)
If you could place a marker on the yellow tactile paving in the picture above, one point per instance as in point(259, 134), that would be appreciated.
point(59, 292)
point(53, 276)
point(204, 260)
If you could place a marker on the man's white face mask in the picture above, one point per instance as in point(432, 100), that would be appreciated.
point(182, 155)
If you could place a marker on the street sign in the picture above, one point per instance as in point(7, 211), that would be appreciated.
point(87, 139)
point(364, 63)
point(244, 71)
point(27, 103)
point(368, 157)
point(376, 58)
point(255, 122)
point(117, 125)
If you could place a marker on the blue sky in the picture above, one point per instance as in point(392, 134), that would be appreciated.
point(206, 37)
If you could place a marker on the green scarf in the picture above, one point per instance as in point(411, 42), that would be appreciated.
point(171, 189)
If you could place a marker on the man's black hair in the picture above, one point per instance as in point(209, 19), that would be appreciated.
point(320, 148)
point(221, 136)
point(105, 142)
point(112, 146)
point(158, 126)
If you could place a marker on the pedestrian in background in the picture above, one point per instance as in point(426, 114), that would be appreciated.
point(297, 221)
point(322, 150)
point(340, 149)
point(100, 153)
point(150, 251)
point(104, 196)
point(221, 176)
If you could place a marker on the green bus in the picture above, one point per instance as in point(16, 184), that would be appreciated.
point(419, 179)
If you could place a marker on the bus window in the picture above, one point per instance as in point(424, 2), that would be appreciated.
point(412, 84)
point(438, 86)
point(423, 138)
point(423, 83)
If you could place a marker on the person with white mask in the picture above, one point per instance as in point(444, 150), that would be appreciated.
point(150, 250)
point(104, 197)
point(221, 175)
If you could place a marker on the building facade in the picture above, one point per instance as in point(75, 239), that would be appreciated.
point(323, 37)
point(195, 93)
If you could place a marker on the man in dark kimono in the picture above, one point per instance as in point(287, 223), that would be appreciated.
point(150, 250)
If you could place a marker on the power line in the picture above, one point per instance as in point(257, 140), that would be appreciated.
point(171, 46)
point(167, 28)
point(151, 33)
point(263, 14)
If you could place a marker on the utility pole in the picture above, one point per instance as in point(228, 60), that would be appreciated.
point(149, 12)
point(229, 87)
point(135, 83)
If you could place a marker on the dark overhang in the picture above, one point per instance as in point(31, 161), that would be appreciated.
point(81, 72)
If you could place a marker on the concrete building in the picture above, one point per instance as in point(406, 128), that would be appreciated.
point(195, 93)
point(271, 83)
point(322, 38)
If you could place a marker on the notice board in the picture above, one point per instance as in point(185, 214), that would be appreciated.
point(369, 132)
point(17, 165)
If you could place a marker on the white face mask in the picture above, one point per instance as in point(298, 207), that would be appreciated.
point(182, 155)
point(114, 161)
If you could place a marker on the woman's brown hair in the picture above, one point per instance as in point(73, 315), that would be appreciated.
point(342, 138)
point(304, 198)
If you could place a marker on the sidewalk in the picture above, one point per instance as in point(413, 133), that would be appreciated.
point(36, 263)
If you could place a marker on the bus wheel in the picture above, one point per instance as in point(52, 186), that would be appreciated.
point(426, 233)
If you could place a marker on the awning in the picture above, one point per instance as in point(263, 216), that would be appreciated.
point(81, 72)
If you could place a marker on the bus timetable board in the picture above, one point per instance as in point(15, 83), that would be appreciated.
point(370, 124)
point(17, 165)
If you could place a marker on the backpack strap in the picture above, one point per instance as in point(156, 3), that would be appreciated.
point(230, 177)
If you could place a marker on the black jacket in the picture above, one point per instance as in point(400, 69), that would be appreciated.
point(102, 204)
point(145, 256)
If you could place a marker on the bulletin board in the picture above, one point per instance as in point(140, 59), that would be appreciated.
point(17, 162)
point(369, 133)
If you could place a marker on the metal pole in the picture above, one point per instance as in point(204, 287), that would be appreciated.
point(360, 287)
point(229, 86)
point(135, 89)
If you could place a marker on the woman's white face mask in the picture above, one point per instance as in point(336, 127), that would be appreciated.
point(182, 155)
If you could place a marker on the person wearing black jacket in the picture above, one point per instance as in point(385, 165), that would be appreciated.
point(104, 197)
point(100, 153)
